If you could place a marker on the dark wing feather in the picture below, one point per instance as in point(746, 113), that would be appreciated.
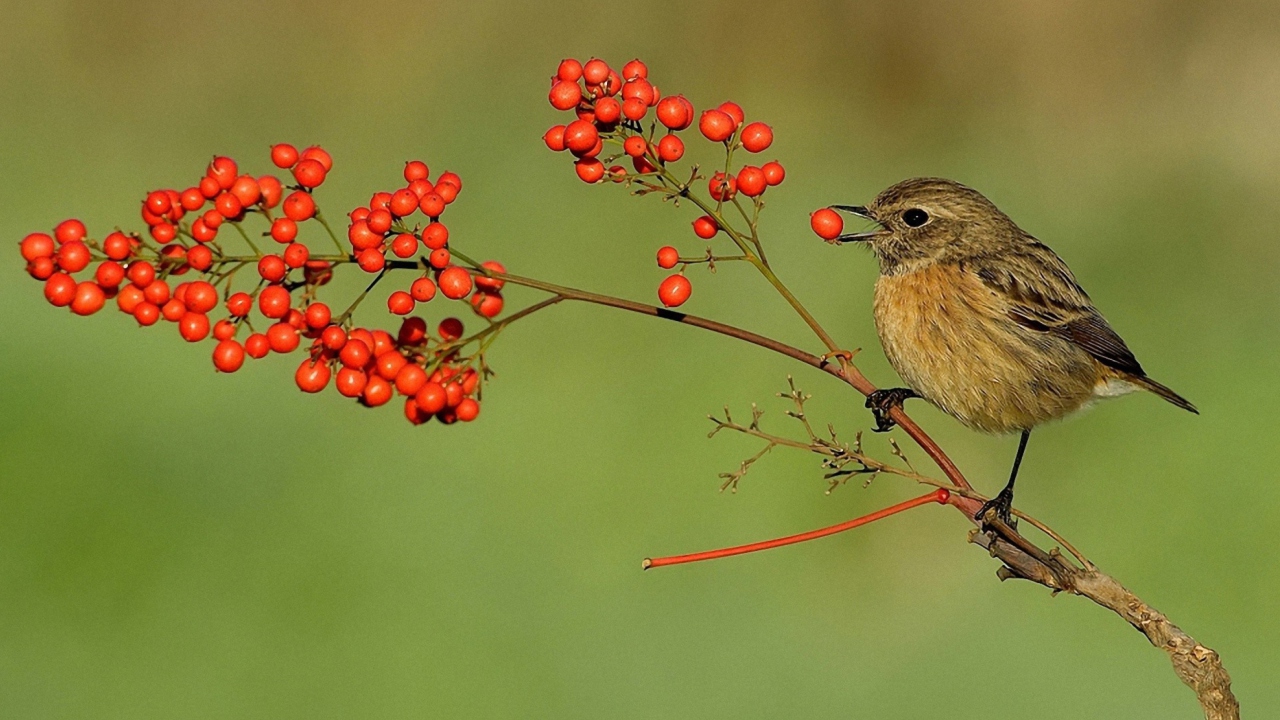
point(1044, 296)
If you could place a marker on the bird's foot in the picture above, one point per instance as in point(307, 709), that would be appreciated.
point(846, 354)
point(882, 401)
point(1002, 504)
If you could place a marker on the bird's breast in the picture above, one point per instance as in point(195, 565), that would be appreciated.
point(952, 340)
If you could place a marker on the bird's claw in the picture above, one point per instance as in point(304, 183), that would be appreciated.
point(882, 401)
point(1002, 504)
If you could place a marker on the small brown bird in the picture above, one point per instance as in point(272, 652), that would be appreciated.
point(984, 321)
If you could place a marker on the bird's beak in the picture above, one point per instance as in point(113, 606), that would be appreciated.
point(860, 211)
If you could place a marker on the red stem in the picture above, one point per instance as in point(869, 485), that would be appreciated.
point(941, 495)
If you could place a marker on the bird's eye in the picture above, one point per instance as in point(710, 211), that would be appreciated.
point(915, 217)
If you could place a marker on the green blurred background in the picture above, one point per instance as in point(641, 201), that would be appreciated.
point(178, 544)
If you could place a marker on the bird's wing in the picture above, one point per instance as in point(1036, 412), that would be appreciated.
point(1043, 296)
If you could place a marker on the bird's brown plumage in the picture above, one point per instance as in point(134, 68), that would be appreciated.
point(985, 321)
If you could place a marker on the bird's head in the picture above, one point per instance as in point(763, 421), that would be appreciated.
point(925, 220)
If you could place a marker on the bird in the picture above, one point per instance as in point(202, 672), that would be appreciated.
point(984, 321)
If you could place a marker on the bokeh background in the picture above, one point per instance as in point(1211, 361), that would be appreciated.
point(178, 544)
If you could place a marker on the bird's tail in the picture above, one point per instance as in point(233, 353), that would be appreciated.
point(1166, 393)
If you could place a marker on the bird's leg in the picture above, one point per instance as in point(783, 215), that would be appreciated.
point(882, 401)
point(1002, 503)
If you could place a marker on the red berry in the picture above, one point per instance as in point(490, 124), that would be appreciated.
point(191, 199)
point(389, 364)
point(284, 230)
point(129, 298)
point(239, 304)
point(194, 327)
point(733, 110)
point(580, 136)
point(224, 329)
point(589, 170)
point(431, 398)
point(228, 356)
point(70, 231)
point(109, 274)
point(379, 221)
point(570, 70)
point(333, 338)
point(247, 191)
point(141, 273)
point(283, 337)
point(257, 346)
point(377, 391)
point(296, 255)
point(634, 109)
point(41, 268)
point(318, 315)
point(299, 206)
point(273, 302)
point(490, 284)
point(362, 237)
point(827, 223)
point(596, 71)
point(413, 330)
point(439, 259)
point(164, 232)
point(320, 155)
point(404, 245)
point(284, 155)
point(756, 137)
point(416, 170)
point(565, 95)
point(351, 382)
point(312, 376)
point(309, 173)
point(272, 268)
point(554, 138)
point(668, 257)
point(675, 112)
point(400, 303)
point(146, 314)
point(271, 189)
point(751, 181)
point(157, 293)
point(36, 245)
point(634, 69)
point(774, 174)
point(223, 171)
point(670, 148)
point(116, 246)
point(722, 188)
point(674, 291)
point(403, 202)
point(355, 353)
point(455, 283)
point(410, 379)
point(607, 110)
point(488, 304)
point(200, 257)
point(423, 289)
point(447, 191)
point(432, 205)
point(88, 299)
point(73, 256)
point(450, 329)
point(705, 227)
point(468, 410)
point(202, 297)
point(209, 187)
point(158, 202)
point(371, 260)
point(716, 125)
point(435, 236)
point(635, 146)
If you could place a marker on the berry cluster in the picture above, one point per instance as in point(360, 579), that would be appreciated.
point(434, 374)
point(611, 108)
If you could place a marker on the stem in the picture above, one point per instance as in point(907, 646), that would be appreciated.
point(334, 238)
point(938, 496)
